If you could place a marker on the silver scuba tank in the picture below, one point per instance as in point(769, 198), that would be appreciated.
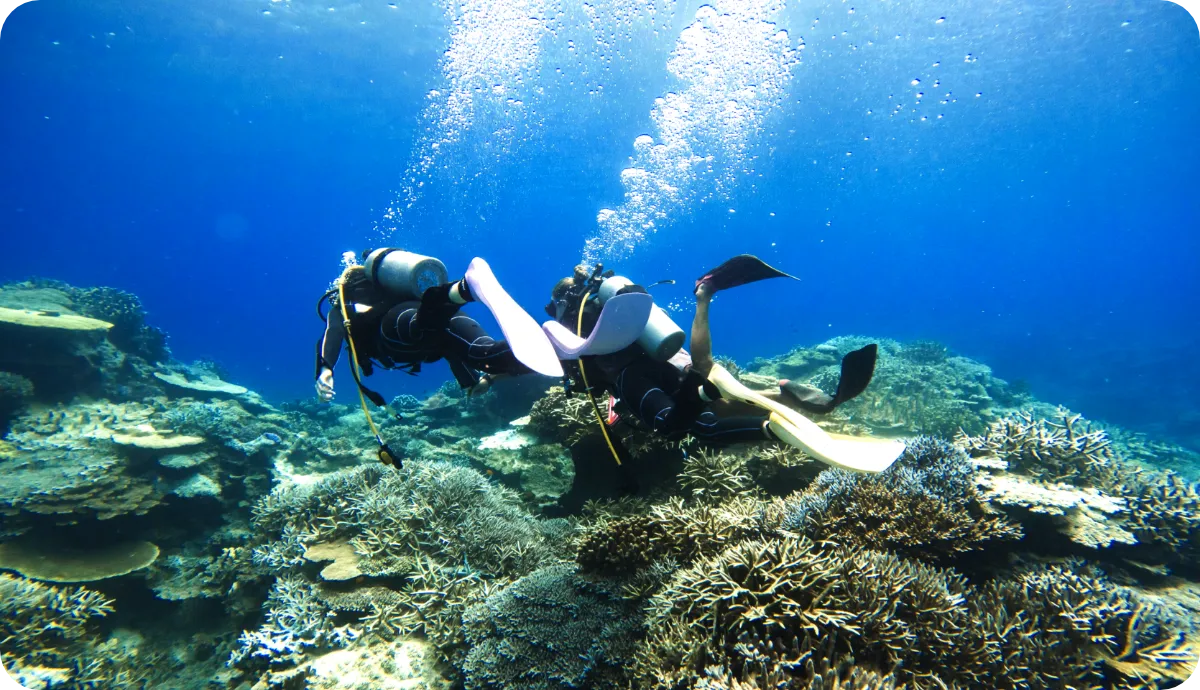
point(662, 337)
point(405, 274)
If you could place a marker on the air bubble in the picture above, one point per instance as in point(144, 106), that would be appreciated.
point(940, 20)
point(915, 82)
point(851, 11)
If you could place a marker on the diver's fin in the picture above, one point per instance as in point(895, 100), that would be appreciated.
point(857, 369)
point(860, 454)
point(529, 344)
point(621, 322)
point(741, 269)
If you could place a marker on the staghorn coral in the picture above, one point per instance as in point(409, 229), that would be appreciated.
point(1064, 450)
point(1062, 626)
point(823, 671)
point(758, 607)
point(672, 530)
point(710, 475)
point(1164, 513)
point(550, 629)
point(296, 621)
point(43, 633)
point(561, 419)
point(925, 506)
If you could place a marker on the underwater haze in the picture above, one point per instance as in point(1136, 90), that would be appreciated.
point(1015, 180)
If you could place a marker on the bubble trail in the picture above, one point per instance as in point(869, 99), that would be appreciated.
point(734, 63)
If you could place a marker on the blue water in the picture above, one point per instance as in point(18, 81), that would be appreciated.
point(216, 160)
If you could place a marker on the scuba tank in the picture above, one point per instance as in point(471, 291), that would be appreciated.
point(662, 337)
point(404, 274)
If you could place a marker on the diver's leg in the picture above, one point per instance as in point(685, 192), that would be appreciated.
point(714, 428)
point(639, 386)
point(467, 340)
point(702, 360)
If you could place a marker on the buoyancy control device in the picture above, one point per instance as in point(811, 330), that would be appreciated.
point(662, 337)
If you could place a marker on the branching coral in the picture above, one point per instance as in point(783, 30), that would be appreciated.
point(760, 606)
point(713, 475)
point(551, 629)
point(1053, 627)
point(1066, 450)
point(561, 419)
point(672, 530)
point(1164, 513)
point(455, 536)
point(823, 671)
point(296, 620)
point(43, 628)
point(925, 506)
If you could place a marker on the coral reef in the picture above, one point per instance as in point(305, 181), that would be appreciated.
point(550, 629)
point(1065, 449)
point(447, 533)
point(43, 633)
point(1164, 515)
point(925, 506)
point(222, 541)
point(16, 391)
point(758, 606)
point(918, 388)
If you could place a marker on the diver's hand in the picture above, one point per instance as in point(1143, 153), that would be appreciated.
point(484, 385)
point(325, 385)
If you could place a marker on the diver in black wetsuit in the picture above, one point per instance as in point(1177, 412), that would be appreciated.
point(403, 313)
point(674, 398)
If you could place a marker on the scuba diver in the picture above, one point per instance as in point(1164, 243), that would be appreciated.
point(398, 311)
point(675, 394)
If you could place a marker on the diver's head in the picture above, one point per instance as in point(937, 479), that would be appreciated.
point(567, 293)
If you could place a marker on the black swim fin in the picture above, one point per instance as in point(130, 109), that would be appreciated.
point(857, 369)
point(741, 269)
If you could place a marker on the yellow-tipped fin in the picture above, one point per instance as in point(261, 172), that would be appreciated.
point(845, 452)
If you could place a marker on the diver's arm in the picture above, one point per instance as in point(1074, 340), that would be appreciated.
point(701, 345)
point(329, 350)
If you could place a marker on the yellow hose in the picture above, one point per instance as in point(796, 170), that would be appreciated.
point(385, 455)
point(595, 407)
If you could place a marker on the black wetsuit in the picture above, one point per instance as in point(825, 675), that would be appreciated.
point(666, 400)
point(388, 334)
